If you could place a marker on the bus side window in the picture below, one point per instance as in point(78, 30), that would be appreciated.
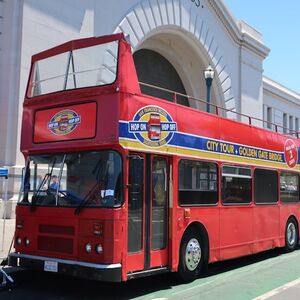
point(289, 187)
point(198, 183)
point(265, 186)
point(236, 185)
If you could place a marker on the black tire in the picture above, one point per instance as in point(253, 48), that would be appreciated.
point(191, 256)
point(291, 235)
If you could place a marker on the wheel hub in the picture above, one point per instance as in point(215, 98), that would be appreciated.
point(291, 233)
point(192, 254)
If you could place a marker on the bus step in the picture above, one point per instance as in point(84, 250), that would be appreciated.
point(144, 273)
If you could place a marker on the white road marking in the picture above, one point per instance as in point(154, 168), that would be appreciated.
point(278, 290)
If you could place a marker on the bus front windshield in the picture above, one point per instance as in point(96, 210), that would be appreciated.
point(73, 180)
point(79, 68)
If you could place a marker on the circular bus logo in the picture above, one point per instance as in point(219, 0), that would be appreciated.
point(153, 126)
point(64, 122)
point(291, 153)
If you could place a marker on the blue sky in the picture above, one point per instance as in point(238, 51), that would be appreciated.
point(279, 23)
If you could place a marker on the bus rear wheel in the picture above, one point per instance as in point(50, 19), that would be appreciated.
point(191, 256)
point(291, 235)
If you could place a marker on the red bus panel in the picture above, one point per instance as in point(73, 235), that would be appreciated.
point(65, 123)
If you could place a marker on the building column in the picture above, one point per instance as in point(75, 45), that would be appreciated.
point(10, 64)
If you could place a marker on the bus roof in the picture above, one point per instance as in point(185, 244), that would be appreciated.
point(77, 44)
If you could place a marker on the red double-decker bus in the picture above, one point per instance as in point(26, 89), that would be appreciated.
point(119, 184)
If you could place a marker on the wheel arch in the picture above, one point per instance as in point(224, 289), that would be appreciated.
point(199, 227)
point(296, 220)
point(290, 245)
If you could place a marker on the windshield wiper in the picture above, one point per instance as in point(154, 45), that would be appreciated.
point(42, 184)
point(26, 184)
point(100, 172)
point(87, 198)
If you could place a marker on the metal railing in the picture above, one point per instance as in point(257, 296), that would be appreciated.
point(218, 109)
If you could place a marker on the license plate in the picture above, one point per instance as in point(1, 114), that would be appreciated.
point(51, 266)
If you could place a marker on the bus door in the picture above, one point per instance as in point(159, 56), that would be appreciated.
point(147, 212)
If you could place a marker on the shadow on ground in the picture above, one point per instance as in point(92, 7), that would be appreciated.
point(45, 286)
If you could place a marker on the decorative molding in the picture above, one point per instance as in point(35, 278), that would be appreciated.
point(151, 16)
point(278, 90)
point(240, 32)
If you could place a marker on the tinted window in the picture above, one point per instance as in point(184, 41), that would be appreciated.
point(198, 183)
point(289, 187)
point(135, 203)
point(236, 185)
point(265, 186)
point(159, 203)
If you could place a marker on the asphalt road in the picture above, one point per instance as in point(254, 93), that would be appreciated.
point(240, 279)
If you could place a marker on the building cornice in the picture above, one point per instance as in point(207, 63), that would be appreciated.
point(278, 90)
point(241, 33)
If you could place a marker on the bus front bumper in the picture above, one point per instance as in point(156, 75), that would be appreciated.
point(101, 272)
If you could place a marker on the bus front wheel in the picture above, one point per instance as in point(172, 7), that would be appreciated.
point(291, 235)
point(191, 256)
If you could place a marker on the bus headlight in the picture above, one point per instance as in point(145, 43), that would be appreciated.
point(27, 242)
point(99, 249)
point(88, 248)
point(19, 240)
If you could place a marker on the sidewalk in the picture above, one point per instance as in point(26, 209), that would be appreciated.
point(9, 233)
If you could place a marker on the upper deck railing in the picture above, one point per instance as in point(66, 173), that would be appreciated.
point(218, 109)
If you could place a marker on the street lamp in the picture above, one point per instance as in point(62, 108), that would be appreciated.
point(209, 76)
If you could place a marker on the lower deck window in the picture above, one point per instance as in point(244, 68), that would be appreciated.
point(289, 187)
point(265, 186)
point(236, 185)
point(198, 183)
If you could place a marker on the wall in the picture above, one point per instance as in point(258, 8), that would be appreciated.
point(203, 28)
point(191, 34)
point(281, 101)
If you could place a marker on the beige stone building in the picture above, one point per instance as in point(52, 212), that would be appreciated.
point(185, 35)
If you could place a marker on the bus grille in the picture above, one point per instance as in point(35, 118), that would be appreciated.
point(55, 244)
point(66, 230)
point(56, 238)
